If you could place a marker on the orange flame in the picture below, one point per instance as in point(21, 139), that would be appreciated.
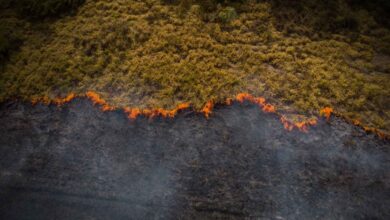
point(356, 122)
point(288, 125)
point(208, 108)
point(327, 111)
point(68, 98)
point(229, 101)
point(241, 97)
point(269, 108)
point(381, 134)
point(57, 101)
point(133, 113)
point(96, 100)
point(34, 101)
point(181, 107)
point(301, 126)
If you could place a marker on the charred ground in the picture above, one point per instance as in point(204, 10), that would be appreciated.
point(75, 161)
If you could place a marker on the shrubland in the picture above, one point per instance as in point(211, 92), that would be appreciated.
point(301, 55)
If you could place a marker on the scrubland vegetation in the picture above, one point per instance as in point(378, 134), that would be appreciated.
point(301, 55)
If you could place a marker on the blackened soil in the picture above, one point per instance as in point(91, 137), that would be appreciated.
point(76, 162)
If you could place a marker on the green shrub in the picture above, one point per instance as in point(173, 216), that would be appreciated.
point(227, 14)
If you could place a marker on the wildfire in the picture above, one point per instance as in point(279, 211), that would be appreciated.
point(327, 111)
point(367, 129)
point(57, 101)
point(181, 107)
point(269, 108)
point(260, 101)
point(288, 125)
point(68, 98)
point(229, 101)
point(96, 100)
point(301, 126)
point(133, 113)
point(207, 109)
point(34, 101)
point(241, 97)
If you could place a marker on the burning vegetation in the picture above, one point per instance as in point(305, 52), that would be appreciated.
point(134, 113)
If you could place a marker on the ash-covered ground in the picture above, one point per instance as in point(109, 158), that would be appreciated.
point(76, 162)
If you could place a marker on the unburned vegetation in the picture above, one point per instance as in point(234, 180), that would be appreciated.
point(301, 55)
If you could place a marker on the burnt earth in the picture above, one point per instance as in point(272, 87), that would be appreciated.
point(76, 162)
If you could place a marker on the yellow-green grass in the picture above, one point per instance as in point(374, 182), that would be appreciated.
point(147, 54)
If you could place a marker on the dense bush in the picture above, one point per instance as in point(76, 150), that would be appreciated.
point(206, 5)
point(312, 16)
point(8, 43)
point(301, 16)
point(379, 8)
point(227, 14)
point(328, 15)
point(43, 8)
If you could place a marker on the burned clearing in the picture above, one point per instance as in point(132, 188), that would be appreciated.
point(77, 162)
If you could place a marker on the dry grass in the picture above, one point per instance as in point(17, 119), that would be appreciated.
point(146, 54)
